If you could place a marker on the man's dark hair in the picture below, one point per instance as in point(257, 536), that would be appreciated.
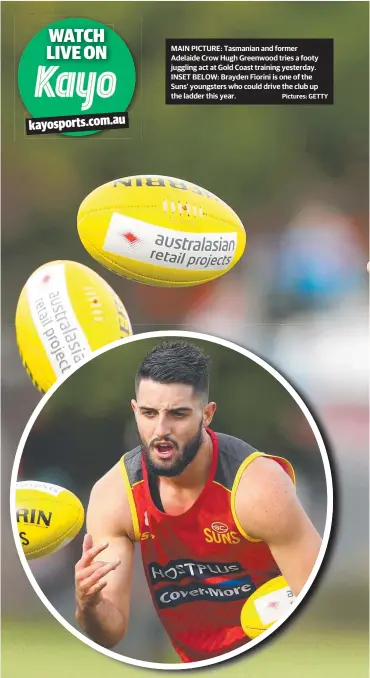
point(176, 362)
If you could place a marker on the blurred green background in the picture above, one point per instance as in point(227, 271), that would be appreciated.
point(298, 178)
point(28, 648)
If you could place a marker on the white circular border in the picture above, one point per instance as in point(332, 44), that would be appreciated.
point(328, 522)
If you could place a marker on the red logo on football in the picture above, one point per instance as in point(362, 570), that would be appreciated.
point(219, 527)
point(131, 238)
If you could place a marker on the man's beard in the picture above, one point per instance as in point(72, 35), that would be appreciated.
point(179, 464)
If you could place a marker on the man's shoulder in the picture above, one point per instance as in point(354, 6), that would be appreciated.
point(129, 466)
point(232, 452)
point(109, 503)
point(108, 484)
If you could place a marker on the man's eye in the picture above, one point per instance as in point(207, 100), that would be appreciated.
point(148, 413)
point(179, 415)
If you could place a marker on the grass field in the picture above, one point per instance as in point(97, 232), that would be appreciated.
point(39, 651)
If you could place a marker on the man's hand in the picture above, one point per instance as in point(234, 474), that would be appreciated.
point(90, 574)
point(103, 574)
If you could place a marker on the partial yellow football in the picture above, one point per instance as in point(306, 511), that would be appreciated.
point(48, 517)
point(64, 313)
point(266, 606)
point(160, 231)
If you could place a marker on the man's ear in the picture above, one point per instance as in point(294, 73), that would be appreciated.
point(134, 405)
point(208, 413)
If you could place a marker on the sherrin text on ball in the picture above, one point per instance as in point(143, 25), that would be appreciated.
point(48, 517)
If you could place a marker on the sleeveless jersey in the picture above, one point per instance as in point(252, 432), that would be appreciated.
point(200, 566)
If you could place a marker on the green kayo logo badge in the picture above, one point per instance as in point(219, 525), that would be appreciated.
point(78, 71)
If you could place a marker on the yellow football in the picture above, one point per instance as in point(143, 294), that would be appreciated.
point(266, 606)
point(160, 231)
point(48, 517)
point(64, 313)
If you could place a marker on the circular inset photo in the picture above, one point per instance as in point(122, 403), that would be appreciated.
point(172, 500)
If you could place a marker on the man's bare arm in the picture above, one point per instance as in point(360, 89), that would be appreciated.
point(103, 584)
point(268, 509)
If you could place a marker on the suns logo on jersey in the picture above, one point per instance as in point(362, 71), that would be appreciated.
point(219, 533)
point(217, 526)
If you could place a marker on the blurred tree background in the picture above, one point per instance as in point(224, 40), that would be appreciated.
point(259, 159)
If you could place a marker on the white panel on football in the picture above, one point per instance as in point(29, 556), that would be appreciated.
point(274, 605)
point(55, 319)
point(131, 238)
point(49, 488)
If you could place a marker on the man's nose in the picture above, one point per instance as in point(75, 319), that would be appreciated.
point(162, 428)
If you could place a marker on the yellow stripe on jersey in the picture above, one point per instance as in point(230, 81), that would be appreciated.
point(288, 467)
point(131, 500)
point(221, 485)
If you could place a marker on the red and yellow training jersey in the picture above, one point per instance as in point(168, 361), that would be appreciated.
point(200, 566)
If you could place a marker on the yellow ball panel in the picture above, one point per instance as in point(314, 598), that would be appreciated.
point(64, 313)
point(46, 521)
point(134, 195)
point(131, 224)
point(101, 314)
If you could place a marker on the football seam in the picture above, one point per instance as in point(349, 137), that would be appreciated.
point(181, 283)
point(55, 540)
point(29, 373)
point(120, 207)
point(107, 209)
